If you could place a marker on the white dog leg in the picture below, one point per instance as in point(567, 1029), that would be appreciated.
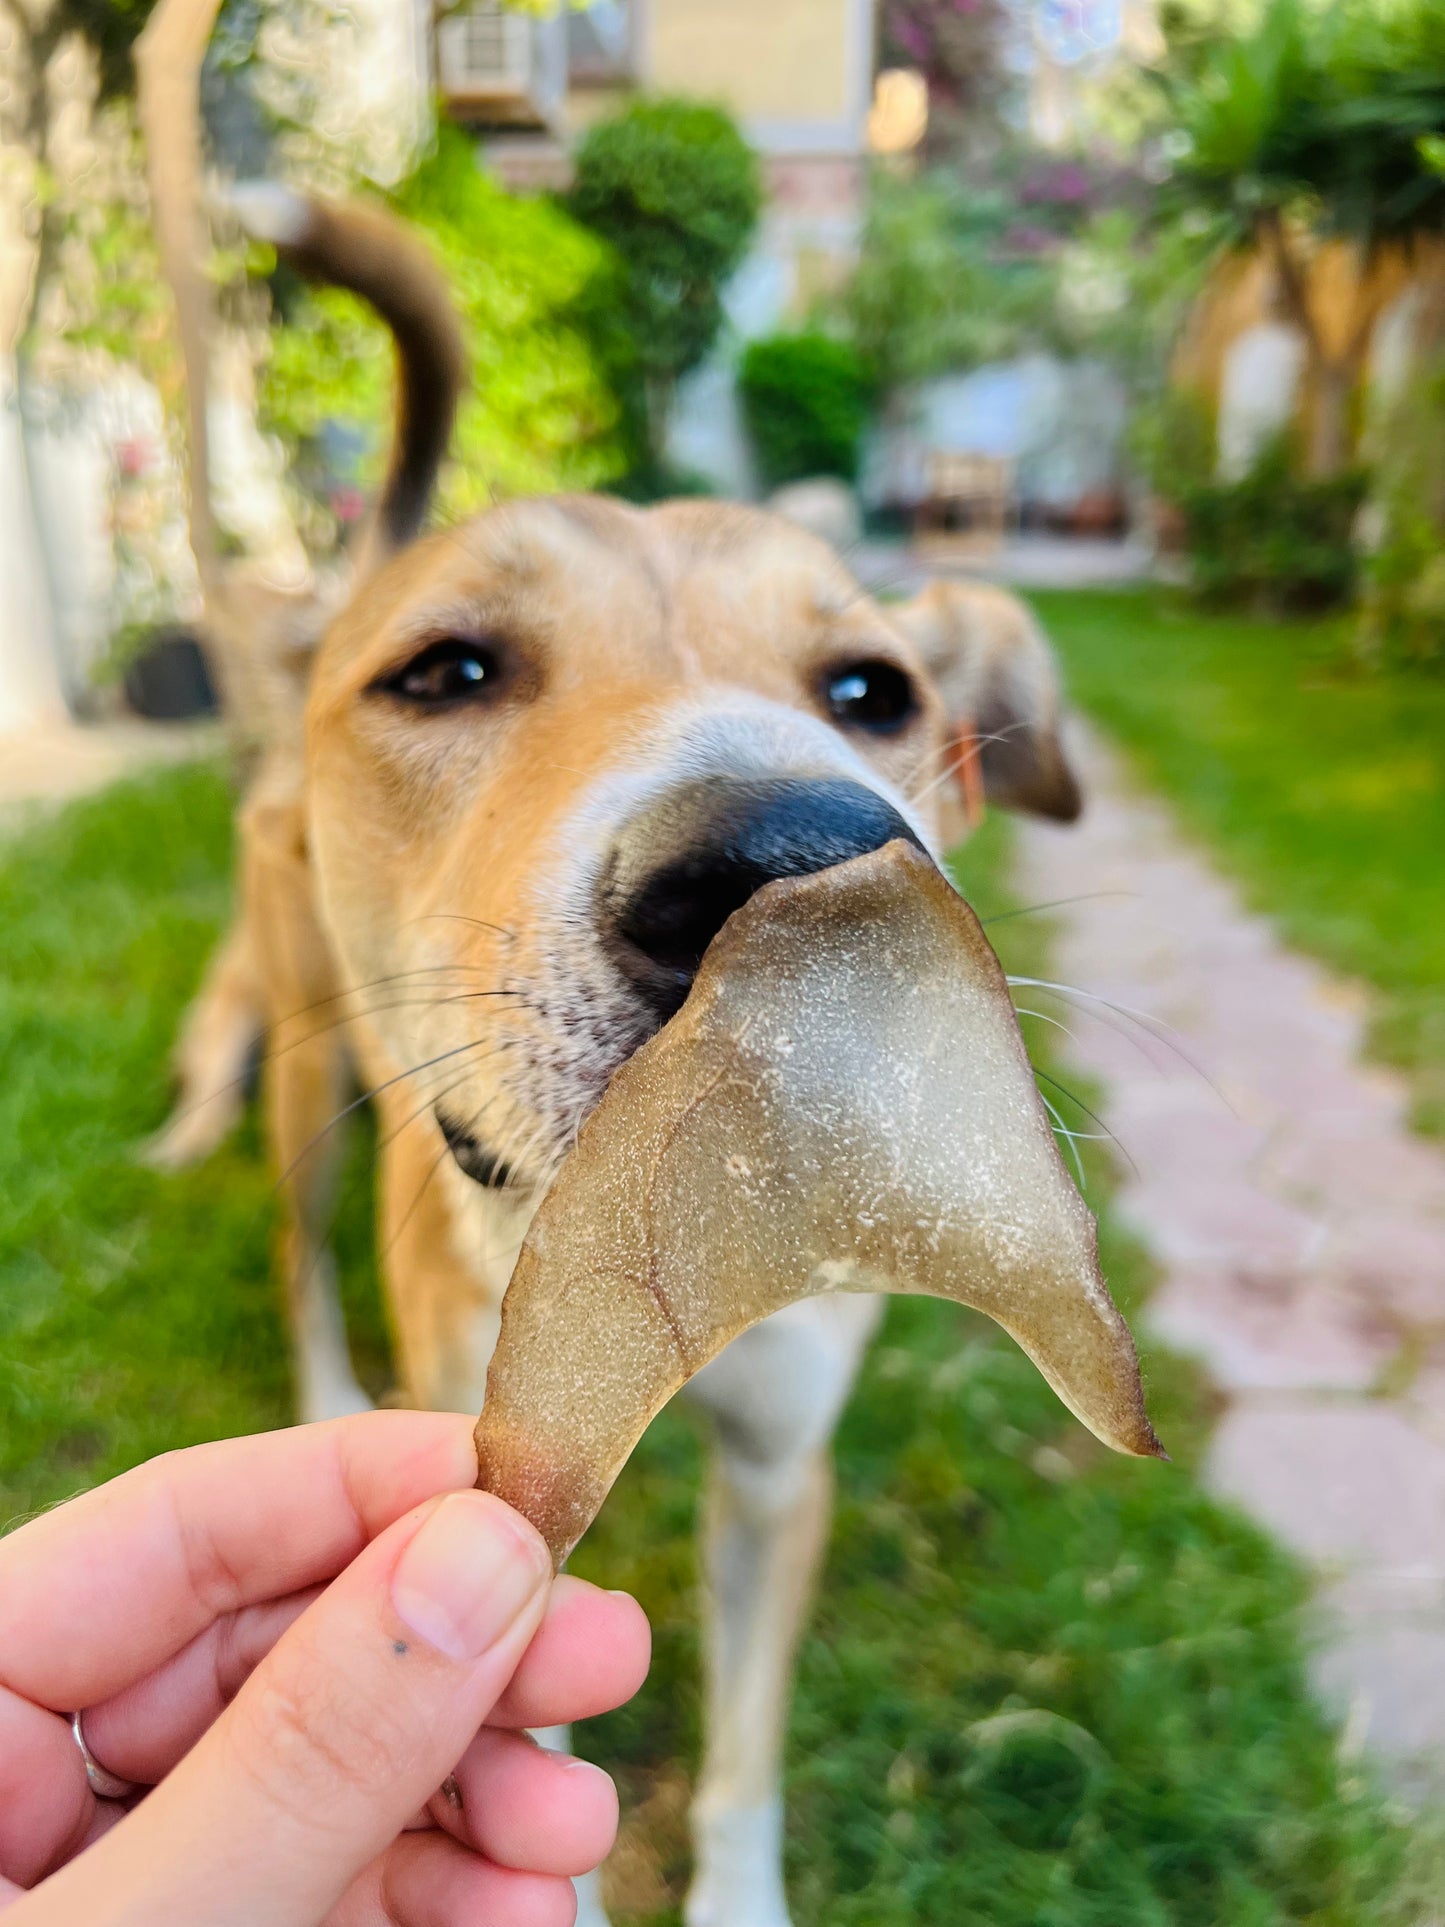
point(775, 1394)
point(766, 1527)
point(326, 1385)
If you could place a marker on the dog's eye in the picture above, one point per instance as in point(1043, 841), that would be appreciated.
point(872, 695)
point(455, 670)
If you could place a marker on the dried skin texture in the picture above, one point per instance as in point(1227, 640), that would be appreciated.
point(844, 1103)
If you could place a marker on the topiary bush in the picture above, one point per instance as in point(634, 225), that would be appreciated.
point(805, 400)
point(541, 413)
point(675, 190)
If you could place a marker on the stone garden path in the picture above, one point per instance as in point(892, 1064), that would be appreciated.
point(48, 766)
point(1299, 1226)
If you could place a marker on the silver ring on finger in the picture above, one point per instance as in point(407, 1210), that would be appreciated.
point(104, 1784)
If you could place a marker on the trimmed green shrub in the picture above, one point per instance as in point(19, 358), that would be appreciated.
point(805, 400)
point(675, 190)
point(1272, 541)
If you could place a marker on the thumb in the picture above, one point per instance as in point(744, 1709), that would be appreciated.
point(339, 1736)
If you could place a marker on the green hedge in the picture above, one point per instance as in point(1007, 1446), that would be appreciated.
point(1272, 541)
point(674, 190)
point(805, 400)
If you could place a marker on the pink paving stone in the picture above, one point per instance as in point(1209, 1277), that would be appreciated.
point(1199, 1216)
point(1344, 1482)
point(1335, 1162)
point(1395, 1259)
point(1302, 1239)
point(1253, 1341)
point(1426, 1401)
point(1387, 1674)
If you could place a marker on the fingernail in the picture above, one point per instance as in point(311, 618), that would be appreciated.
point(469, 1573)
point(587, 1770)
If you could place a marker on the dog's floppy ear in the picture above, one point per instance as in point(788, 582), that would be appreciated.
point(1000, 686)
point(364, 249)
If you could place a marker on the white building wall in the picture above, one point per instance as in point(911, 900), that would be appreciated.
point(30, 694)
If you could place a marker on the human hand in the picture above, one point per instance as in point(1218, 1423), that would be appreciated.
point(299, 1641)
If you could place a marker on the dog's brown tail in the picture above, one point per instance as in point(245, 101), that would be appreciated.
point(370, 252)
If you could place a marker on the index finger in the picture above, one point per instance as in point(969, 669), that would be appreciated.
point(98, 1593)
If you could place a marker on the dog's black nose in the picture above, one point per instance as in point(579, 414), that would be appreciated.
point(682, 866)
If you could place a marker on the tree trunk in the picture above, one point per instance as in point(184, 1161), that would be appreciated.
point(168, 58)
point(1330, 439)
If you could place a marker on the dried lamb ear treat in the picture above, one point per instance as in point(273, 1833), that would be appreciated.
point(844, 1103)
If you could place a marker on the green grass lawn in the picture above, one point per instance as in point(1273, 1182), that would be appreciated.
point(1323, 790)
point(1044, 1687)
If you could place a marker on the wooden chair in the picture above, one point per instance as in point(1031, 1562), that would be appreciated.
point(969, 500)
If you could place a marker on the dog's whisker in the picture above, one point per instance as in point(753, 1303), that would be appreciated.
point(429, 1103)
point(355, 991)
point(324, 1245)
point(1153, 1027)
point(1074, 1098)
point(422, 999)
point(542, 1140)
point(384, 1143)
point(377, 983)
point(955, 763)
point(1100, 1016)
point(455, 916)
point(1061, 1130)
point(411, 1210)
point(924, 762)
point(1054, 903)
point(273, 1053)
point(918, 789)
point(366, 1097)
point(934, 783)
point(432, 1169)
point(1044, 1018)
point(427, 1002)
point(894, 579)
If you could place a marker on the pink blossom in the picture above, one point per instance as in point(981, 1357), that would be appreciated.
point(910, 36)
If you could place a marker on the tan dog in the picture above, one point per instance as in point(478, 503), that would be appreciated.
point(547, 754)
point(996, 673)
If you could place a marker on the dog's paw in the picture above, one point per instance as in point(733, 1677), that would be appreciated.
point(189, 1136)
point(739, 1877)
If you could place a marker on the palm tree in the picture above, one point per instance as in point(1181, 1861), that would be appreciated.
point(1321, 123)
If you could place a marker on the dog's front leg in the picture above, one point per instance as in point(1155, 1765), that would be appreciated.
point(225, 1022)
point(306, 1077)
point(776, 1395)
point(765, 1528)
